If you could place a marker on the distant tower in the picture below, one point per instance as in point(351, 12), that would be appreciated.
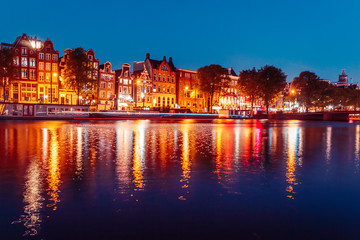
point(343, 79)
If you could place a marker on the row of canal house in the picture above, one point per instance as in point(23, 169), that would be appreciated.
point(153, 84)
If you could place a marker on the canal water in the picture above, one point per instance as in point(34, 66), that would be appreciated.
point(215, 179)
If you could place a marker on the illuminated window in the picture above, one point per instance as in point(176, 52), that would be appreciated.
point(41, 76)
point(102, 94)
point(125, 81)
point(47, 77)
point(129, 81)
point(16, 61)
point(54, 67)
point(109, 95)
point(24, 73)
point(41, 56)
point(102, 85)
point(48, 66)
point(41, 65)
point(120, 80)
point(48, 56)
point(32, 74)
point(24, 62)
point(110, 85)
point(95, 65)
point(129, 90)
point(32, 62)
point(125, 90)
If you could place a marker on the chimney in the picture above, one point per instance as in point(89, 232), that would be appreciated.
point(148, 56)
point(164, 59)
point(170, 59)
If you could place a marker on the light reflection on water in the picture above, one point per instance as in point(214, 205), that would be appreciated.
point(135, 159)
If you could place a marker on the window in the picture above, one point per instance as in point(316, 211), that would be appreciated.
point(24, 73)
point(125, 81)
point(109, 95)
point(32, 62)
point(168, 78)
point(95, 65)
point(129, 81)
point(54, 57)
point(120, 89)
point(48, 56)
point(32, 74)
point(187, 75)
point(154, 76)
point(126, 74)
point(102, 94)
point(102, 85)
point(41, 56)
point(125, 90)
point(164, 79)
point(120, 80)
point(90, 57)
point(139, 89)
point(16, 61)
point(172, 79)
point(23, 51)
point(41, 65)
point(47, 77)
point(54, 67)
point(110, 85)
point(24, 62)
point(41, 76)
point(159, 78)
point(48, 66)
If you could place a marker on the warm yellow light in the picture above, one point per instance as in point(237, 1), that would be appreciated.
point(138, 81)
point(293, 91)
point(55, 74)
point(186, 87)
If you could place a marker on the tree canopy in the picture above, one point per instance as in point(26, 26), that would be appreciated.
point(79, 72)
point(212, 80)
point(248, 84)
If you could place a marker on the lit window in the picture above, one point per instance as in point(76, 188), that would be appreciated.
point(41, 56)
point(32, 62)
point(54, 67)
point(16, 61)
point(103, 85)
point(24, 73)
point(125, 81)
point(32, 74)
point(41, 65)
point(48, 66)
point(47, 77)
point(24, 62)
point(41, 76)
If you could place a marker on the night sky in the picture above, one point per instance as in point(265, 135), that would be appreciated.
point(320, 36)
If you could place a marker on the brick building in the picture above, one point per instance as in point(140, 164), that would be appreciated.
point(106, 87)
point(124, 88)
point(188, 94)
point(36, 71)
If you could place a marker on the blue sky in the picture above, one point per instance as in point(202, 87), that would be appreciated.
point(319, 36)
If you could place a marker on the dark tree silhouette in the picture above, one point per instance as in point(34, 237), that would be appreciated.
point(6, 68)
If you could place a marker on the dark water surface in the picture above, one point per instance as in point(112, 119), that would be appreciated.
point(224, 179)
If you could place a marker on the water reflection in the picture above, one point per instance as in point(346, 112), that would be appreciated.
point(33, 200)
point(54, 176)
point(180, 159)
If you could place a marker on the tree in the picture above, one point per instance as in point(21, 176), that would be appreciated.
point(271, 81)
point(6, 68)
point(248, 84)
point(79, 73)
point(212, 80)
point(310, 90)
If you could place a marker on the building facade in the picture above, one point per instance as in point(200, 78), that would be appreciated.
point(124, 88)
point(143, 87)
point(36, 71)
point(163, 75)
point(106, 87)
point(188, 94)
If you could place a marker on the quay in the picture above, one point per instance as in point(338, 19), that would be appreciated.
point(21, 111)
